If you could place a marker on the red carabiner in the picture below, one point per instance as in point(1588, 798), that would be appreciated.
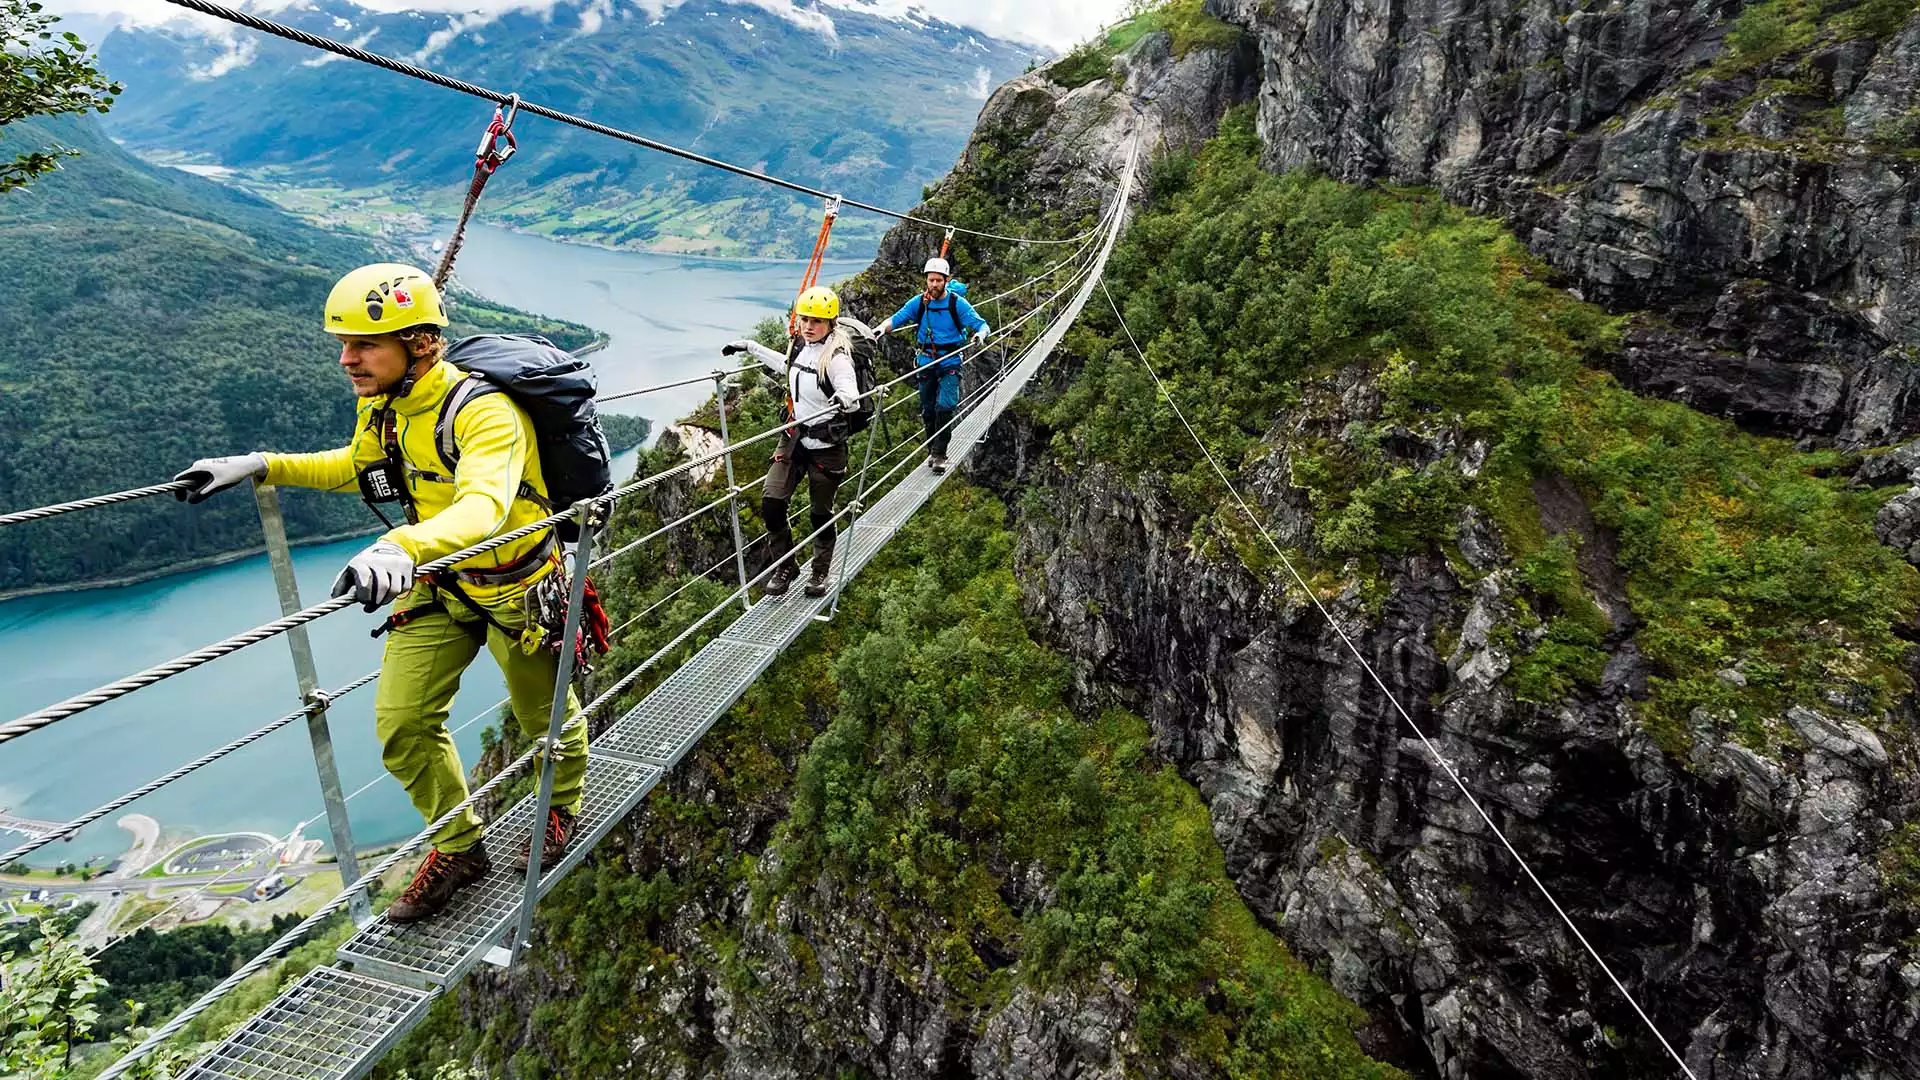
point(489, 155)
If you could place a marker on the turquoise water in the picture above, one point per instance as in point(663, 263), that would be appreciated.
point(668, 317)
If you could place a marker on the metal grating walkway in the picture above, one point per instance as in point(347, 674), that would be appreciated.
point(441, 949)
point(331, 1025)
point(335, 1023)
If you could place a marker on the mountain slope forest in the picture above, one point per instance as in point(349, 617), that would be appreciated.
point(154, 317)
point(836, 97)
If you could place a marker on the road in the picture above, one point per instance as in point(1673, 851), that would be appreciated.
point(76, 887)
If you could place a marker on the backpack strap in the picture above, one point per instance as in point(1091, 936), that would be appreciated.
point(469, 388)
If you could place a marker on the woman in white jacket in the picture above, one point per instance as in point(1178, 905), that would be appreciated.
point(819, 375)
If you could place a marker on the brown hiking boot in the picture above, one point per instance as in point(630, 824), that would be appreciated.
point(782, 578)
point(559, 835)
point(436, 881)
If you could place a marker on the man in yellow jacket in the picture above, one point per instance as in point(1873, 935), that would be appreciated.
point(388, 319)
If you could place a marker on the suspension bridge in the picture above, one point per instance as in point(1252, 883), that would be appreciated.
point(337, 1021)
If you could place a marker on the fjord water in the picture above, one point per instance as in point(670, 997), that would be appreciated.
point(667, 317)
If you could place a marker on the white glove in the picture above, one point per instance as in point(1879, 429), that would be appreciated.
point(980, 335)
point(376, 575)
point(216, 474)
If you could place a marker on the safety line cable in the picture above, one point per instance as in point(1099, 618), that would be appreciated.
point(68, 831)
point(688, 381)
point(1432, 750)
point(399, 67)
point(92, 502)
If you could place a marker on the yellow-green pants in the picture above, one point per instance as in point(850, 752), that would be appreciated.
point(418, 678)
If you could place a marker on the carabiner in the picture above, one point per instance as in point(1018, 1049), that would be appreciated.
point(489, 156)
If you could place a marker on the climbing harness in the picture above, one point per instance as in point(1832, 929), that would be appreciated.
point(487, 159)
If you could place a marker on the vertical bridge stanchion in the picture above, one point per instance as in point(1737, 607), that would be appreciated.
point(557, 719)
point(847, 548)
point(721, 380)
point(273, 525)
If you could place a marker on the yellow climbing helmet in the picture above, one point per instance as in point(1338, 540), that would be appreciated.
point(382, 298)
point(818, 302)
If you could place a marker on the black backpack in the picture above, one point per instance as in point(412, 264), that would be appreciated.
point(555, 388)
point(864, 353)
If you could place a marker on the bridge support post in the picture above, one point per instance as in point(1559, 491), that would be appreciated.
point(280, 554)
point(557, 718)
point(853, 519)
point(720, 383)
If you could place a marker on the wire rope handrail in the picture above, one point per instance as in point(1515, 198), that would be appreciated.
point(294, 935)
point(92, 502)
point(79, 703)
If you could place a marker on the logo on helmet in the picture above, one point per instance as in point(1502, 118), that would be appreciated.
point(401, 296)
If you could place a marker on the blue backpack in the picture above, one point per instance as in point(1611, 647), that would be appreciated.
point(556, 389)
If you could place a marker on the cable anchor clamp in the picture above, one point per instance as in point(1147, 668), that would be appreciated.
point(317, 701)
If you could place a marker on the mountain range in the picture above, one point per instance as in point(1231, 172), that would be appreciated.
point(842, 98)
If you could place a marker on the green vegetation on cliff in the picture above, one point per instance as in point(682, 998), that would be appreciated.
point(1252, 293)
point(948, 819)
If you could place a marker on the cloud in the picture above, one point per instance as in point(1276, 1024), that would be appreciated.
point(461, 24)
point(1058, 24)
point(238, 54)
point(981, 85)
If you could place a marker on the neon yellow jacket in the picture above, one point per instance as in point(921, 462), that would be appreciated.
point(482, 499)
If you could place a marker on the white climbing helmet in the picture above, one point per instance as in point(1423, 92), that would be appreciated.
point(938, 265)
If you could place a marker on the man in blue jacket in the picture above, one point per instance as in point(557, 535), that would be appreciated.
point(944, 320)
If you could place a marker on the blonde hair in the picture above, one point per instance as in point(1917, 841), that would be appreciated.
point(424, 342)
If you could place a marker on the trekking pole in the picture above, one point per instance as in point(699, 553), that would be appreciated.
point(273, 524)
point(721, 381)
point(556, 721)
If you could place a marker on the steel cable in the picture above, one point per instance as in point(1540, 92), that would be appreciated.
point(111, 499)
point(67, 831)
point(1432, 750)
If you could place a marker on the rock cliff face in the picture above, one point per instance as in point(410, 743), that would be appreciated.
point(1768, 272)
point(1759, 210)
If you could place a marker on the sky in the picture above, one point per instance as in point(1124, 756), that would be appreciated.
point(1055, 23)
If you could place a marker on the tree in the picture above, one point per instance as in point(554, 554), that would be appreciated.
point(46, 1005)
point(43, 74)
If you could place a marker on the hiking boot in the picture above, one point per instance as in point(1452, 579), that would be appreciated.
point(559, 835)
point(782, 578)
point(818, 580)
point(938, 463)
point(436, 881)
